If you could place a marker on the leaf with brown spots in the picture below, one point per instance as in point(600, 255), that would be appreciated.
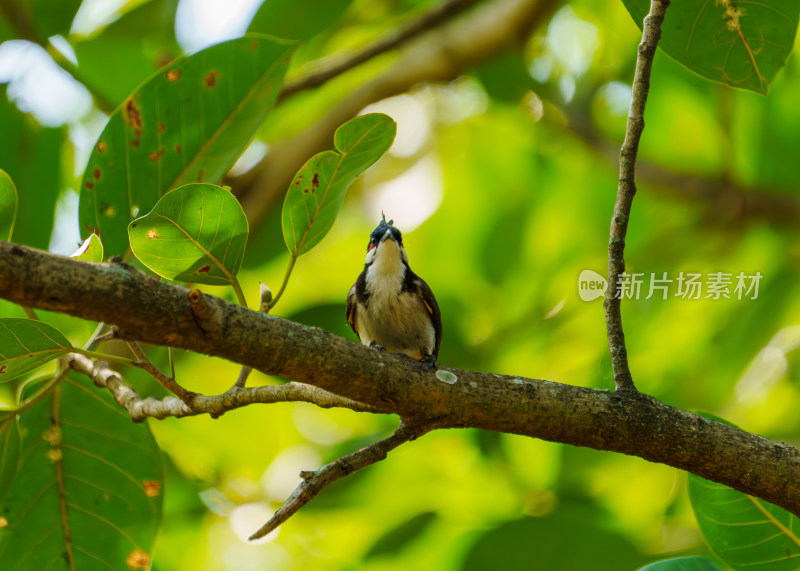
point(201, 231)
point(26, 344)
point(187, 123)
point(309, 212)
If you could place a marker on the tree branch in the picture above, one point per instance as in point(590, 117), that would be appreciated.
point(626, 191)
point(314, 482)
point(328, 68)
point(440, 57)
point(628, 422)
point(141, 408)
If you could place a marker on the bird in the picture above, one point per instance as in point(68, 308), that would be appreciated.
point(390, 307)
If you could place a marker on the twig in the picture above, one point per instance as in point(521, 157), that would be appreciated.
point(625, 192)
point(329, 68)
point(314, 482)
point(141, 408)
point(264, 307)
point(171, 385)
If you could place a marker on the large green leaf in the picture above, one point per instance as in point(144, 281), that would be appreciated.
point(31, 155)
point(195, 233)
point(25, 344)
point(747, 533)
point(8, 206)
point(87, 494)
point(143, 38)
point(187, 123)
point(741, 45)
point(313, 199)
point(683, 564)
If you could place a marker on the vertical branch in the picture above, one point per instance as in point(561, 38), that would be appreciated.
point(626, 190)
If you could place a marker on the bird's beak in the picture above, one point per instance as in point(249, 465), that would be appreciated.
point(387, 235)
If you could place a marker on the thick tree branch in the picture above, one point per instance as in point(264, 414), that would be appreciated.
point(626, 191)
point(433, 57)
point(628, 422)
point(314, 482)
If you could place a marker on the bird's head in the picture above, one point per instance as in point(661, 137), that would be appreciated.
point(386, 244)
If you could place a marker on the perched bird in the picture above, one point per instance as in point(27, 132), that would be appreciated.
point(390, 307)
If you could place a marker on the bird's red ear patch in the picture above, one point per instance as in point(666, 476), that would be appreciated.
point(371, 245)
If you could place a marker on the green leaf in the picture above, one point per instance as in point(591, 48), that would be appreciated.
point(187, 123)
point(88, 491)
point(91, 250)
point(10, 446)
point(32, 157)
point(26, 344)
point(8, 206)
point(313, 199)
point(744, 51)
point(683, 564)
point(196, 233)
point(46, 17)
point(744, 531)
point(396, 539)
point(296, 19)
point(143, 38)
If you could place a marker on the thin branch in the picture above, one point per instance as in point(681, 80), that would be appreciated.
point(626, 191)
point(142, 408)
point(168, 383)
point(314, 482)
point(627, 422)
point(335, 65)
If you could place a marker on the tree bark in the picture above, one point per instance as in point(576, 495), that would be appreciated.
point(148, 310)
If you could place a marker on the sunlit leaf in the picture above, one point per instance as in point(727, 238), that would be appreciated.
point(88, 491)
point(8, 206)
point(91, 250)
point(26, 344)
point(683, 564)
point(313, 199)
point(744, 531)
point(188, 123)
point(195, 233)
point(740, 45)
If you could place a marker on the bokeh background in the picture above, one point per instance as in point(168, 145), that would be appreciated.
point(503, 181)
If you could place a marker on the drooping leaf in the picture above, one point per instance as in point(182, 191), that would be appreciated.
point(683, 564)
point(143, 38)
point(87, 494)
point(8, 206)
point(26, 344)
point(313, 199)
point(739, 45)
point(31, 155)
point(187, 123)
point(195, 233)
point(744, 531)
point(91, 250)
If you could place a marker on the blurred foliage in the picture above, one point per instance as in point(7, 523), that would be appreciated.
point(503, 184)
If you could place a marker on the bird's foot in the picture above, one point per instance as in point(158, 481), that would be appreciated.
point(376, 346)
point(430, 361)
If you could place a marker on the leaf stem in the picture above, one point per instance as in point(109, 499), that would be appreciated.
point(237, 287)
point(104, 356)
point(285, 281)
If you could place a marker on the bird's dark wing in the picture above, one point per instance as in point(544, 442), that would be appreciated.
point(433, 309)
point(352, 310)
